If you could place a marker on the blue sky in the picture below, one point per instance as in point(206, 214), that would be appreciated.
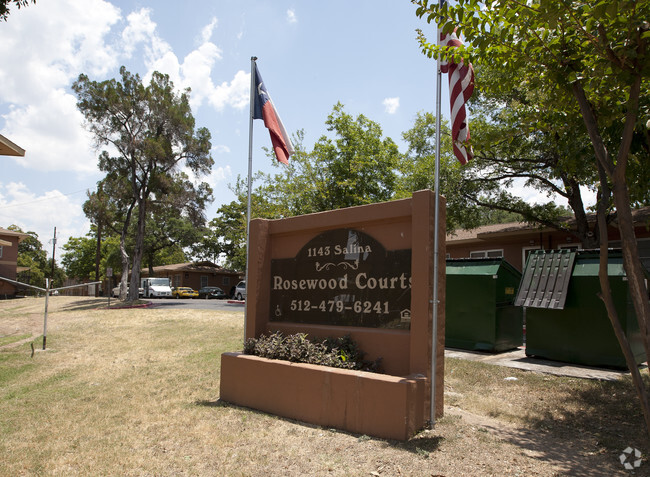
point(311, 55)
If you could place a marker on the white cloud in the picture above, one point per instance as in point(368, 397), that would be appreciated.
point(391, 105)
point(140, 29)
point(218, 175)
point(235, 94)
point(41, 213)
point(291, 16)
point(47, 46)
point(44, 49)
point(207, 31)
point(51, 134)
point(195, 71)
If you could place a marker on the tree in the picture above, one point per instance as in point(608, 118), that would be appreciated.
point(33, 258)
point(354, 167)
point(79, 255)
point(418, 166)
point(516, 140)
point(4, 7)
point(590, 60)
point(78, 258)
point(227, 235)
point(175, 222)
point(152, 135)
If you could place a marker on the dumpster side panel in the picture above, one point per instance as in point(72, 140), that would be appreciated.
point(509, 327)
point(509, 321)
point(479, 311)
point(582, 332)
point(470, 304)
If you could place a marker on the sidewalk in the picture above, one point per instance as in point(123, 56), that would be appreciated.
point(517, 359)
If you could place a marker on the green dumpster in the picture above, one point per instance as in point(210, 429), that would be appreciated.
point(565, 319)
point(480, 311)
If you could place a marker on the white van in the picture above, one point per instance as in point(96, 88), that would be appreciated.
point(156, 287)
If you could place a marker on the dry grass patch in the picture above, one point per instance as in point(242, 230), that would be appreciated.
point(136, 392)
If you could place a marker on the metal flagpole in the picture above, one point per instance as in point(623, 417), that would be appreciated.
point(250, 174)
point(47, 295)
point(434, 331)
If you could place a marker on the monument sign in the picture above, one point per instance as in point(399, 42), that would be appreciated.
point(343, 277)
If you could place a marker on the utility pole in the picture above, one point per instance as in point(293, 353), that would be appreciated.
point(53, 250)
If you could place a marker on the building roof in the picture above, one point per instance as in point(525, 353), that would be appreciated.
point(640, 216)
point(11, 233)
point(8, 148)
point(494, 230)
point(202, 266)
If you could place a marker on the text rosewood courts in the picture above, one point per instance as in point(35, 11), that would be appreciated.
point(346, 274)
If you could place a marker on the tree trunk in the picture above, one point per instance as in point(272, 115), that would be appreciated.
point(98, 255)
point(124, 254)
point(631, 261)
point(125, 267)
point(139, 248)
point(606, 296)
point(616, 172)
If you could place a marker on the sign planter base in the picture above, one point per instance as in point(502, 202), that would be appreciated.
point(357, 401)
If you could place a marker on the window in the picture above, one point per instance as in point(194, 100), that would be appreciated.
point(643, 245)
point(486, 254)
point(0, 251)
point(204, 281)
point(226, 281)
point(177, 280)
point(525, 251)
point(569, 246)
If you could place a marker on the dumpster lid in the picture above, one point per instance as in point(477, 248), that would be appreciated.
point(477, 266)
point(545, 279)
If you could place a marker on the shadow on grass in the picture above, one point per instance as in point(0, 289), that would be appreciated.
point(102, 303)
point(583, 429)
point(217, 403)
point(420, 444)
point(84, 303)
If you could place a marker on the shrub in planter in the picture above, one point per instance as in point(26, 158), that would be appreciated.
point(336, 352)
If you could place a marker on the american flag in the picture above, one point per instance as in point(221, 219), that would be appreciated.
point(461, 86)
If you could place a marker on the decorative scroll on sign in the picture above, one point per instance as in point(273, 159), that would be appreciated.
point(343, 277)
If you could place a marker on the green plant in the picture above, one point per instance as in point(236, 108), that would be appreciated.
point(340, 352)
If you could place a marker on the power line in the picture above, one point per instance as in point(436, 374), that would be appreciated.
point(5, 206)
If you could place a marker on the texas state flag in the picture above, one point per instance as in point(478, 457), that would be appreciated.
point(264, 109)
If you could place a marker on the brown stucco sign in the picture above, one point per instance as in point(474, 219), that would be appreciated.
point(343, 277)
point(366, 272)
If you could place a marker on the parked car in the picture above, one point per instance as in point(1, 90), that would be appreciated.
point(184, 292)
point(116, 290)
point(240, 290)
point(212, 292)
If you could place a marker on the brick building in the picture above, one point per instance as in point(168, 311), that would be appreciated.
point(514, 241)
